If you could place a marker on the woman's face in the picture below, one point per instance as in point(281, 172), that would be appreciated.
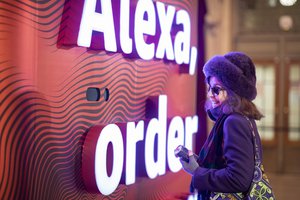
point(216, 92)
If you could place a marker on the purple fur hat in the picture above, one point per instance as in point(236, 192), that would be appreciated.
point(236, 71)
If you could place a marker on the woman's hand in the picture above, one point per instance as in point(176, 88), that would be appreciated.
point(190, 166)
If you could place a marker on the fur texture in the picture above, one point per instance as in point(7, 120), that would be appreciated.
point(236, 71)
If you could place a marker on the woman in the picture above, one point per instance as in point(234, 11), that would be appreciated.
point(226, 161)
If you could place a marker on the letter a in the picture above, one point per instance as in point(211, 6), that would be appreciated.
point(101, 22)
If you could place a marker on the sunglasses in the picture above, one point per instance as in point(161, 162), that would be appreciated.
point(215, 90)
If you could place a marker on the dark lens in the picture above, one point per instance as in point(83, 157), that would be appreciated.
point(216, 90)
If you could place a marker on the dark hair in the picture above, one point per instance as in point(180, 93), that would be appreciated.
point(237, 104)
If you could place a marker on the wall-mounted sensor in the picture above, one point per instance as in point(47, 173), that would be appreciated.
point(106, 94)
point(93, 94)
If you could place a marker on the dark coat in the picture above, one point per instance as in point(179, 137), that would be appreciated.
point(233, 160)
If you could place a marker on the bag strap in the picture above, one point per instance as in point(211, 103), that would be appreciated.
point(255, 146)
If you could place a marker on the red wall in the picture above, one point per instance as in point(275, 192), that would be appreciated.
point(44, 112)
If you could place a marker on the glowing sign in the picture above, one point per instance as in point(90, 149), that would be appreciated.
point(156, 139)
point(156, 31)
point(101, 22)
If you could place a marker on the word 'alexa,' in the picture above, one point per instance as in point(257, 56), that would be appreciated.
point(147, 29)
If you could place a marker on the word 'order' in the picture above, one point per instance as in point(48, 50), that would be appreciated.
point(120, 146)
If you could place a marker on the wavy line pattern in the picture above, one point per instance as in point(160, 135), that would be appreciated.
point(44, 113)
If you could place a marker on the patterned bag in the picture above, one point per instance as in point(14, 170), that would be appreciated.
point(260, 188)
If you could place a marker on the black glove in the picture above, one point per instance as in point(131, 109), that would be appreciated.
point(190, 166)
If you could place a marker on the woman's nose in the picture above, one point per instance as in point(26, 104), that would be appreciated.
point(210, 94)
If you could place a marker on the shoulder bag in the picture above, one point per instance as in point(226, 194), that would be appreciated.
point(260, 188)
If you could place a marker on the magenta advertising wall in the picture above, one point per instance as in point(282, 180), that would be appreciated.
point(96, 95)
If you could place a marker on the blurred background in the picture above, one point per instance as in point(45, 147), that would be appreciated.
point(269, 31)
point(45, 112)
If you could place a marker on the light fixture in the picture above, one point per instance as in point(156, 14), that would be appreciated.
point(287, 2)
point(272, 3)
point(286, 22)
